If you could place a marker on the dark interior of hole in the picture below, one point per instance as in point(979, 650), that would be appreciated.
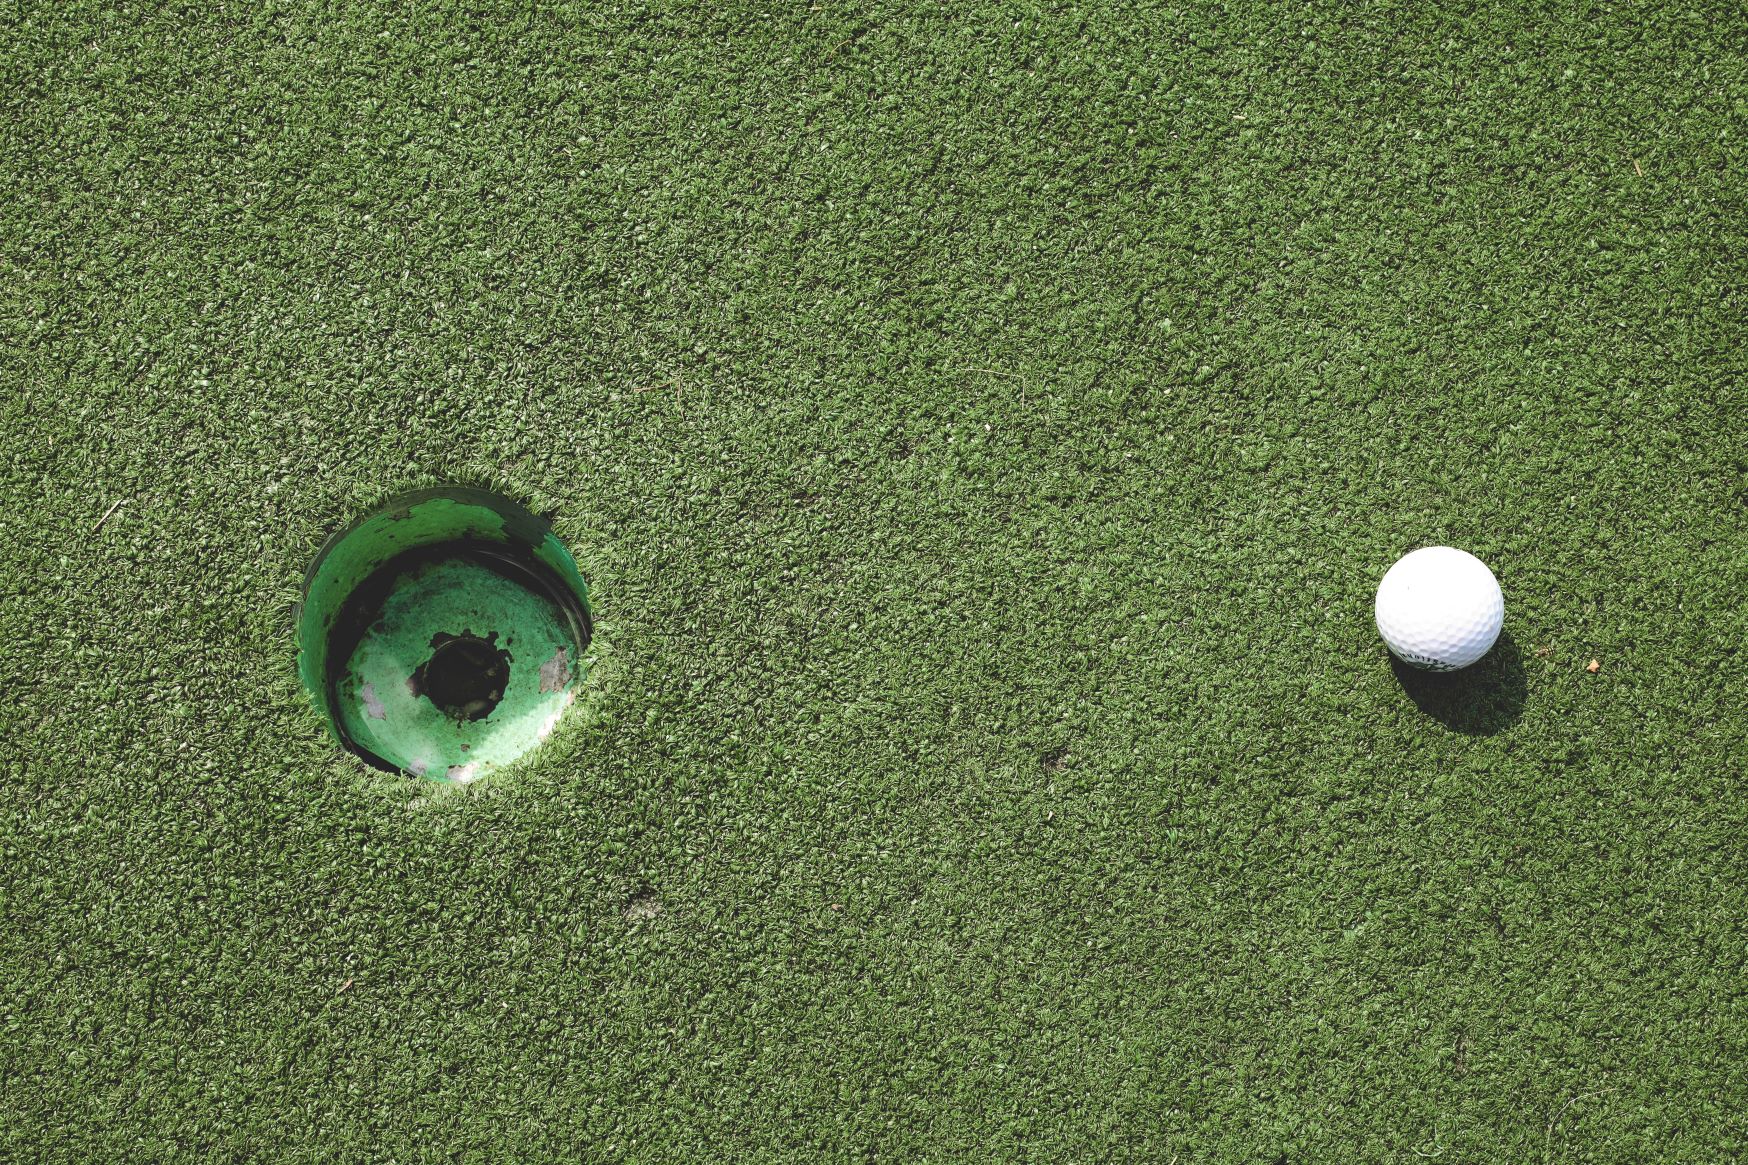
point(364, 606)
point(465, 676)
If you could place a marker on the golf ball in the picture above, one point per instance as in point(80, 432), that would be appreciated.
point(1439, 608)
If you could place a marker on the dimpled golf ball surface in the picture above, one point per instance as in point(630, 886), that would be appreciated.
point(1439, 608)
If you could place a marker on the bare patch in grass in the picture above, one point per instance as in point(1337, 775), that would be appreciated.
point(644, 905)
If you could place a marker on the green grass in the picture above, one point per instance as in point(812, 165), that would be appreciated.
point(983, 427)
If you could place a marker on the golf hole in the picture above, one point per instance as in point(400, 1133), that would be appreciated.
point(444, 634)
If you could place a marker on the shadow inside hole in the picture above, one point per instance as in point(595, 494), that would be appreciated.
point(1484, 698)
point(465, 676)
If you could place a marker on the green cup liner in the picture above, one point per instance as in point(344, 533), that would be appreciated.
point(444, 634)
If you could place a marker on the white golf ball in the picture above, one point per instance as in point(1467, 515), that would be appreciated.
point(1439, 608)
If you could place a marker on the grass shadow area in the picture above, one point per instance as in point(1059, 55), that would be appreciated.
point(1482, 699)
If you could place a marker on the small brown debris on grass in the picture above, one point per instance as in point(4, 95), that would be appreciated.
point(106, 514)
point(1636, 169)
point(1593, 666)
point(343, 987)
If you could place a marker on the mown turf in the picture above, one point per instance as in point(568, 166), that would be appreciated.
point(983, 427)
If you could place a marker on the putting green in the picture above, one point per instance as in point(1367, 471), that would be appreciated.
point(982, 429)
